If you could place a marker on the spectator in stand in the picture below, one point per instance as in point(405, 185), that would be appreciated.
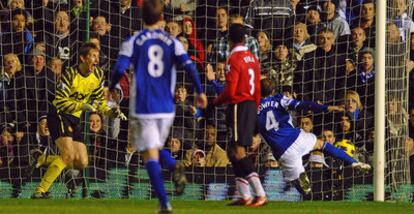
point(43, 139)
point(197, 61)
point(261, 154)
point(35, 91)
point(101, 26)
point(265, 50)
point(364, 81)
point(55, 65)
point(199, 158)
point(313, 22)
point(10, 69)
point(301, 41)
point(186, 115)
point(104, 60)
point(42, 149)
point(63, 43)
point(13, 158)
point(215, 156)
point(176, 145)
point(101, 148)
point(324, 70)
point(7, 139)
point(305, 122)
point(217, 78)
point(346, 136)
point(332, 20)
point(174, 28)
point(217, 114)
point(401, 19)
point(397, 116)
point(183, 8)
point(271, 162)
point(366, 21)
point(274, 16)
point(126, 19)
point(361, 123)
point(223, 47)
point(18, 39)
point(78, 16)
point(298, 10)
point(220, 34)
point(101, 35)
point(329, 136)
point(356, 43)
point(398, 142)
point(393, 34)
point(283, 66)
point(13, 5)
point(190, 32)
point(43, 14)
point(316, 161)
point(78, 8)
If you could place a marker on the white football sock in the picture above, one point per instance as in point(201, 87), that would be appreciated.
point(254, 181)
point(243, 188)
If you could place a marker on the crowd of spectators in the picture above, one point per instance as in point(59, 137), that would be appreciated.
point(319, 50)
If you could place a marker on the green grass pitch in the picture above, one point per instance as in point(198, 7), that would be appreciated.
point(90, 206)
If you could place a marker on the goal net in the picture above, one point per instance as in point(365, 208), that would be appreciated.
point(319, 50)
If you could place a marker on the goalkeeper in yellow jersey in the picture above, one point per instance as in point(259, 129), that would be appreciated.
point(79, 89)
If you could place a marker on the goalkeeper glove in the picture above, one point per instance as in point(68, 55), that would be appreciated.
point(116, 113)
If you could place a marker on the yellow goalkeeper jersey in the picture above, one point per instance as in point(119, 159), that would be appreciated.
point(74, 90)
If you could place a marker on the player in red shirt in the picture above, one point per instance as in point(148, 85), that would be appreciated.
point(242, 93)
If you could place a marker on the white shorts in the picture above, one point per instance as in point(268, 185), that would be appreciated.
point(146, 134)
point(291, 160)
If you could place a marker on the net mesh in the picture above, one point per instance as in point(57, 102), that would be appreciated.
point(320, 50)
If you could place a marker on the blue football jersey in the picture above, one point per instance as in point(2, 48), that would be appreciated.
point(154, 55)
point(275, 121)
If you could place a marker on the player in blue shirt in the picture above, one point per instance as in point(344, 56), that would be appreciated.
point(288, 143)
point(154, 55)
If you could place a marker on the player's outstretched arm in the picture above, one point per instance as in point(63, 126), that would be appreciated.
point(336, 108)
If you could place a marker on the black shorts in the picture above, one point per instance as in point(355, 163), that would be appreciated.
point(241, 120)
point(64, 125)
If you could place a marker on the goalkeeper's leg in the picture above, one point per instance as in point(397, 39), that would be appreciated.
point(67, 155)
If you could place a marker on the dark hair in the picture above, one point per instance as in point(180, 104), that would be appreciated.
point(286, 88)
point(236, 33)
point(368, 2)
point(19, 11)
point(94, 35)
point(96, 113)
point(266, 87)
point(85, 48)
point(152, 11)
point(9, 127)
point(335, 2)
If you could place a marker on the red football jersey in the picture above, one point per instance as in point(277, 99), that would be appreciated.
point(242, 78)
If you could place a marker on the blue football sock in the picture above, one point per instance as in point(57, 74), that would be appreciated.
point(337, 153)
point(157, 182)
point(167, 162)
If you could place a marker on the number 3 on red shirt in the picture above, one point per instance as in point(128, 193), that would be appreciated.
point(251, 82)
